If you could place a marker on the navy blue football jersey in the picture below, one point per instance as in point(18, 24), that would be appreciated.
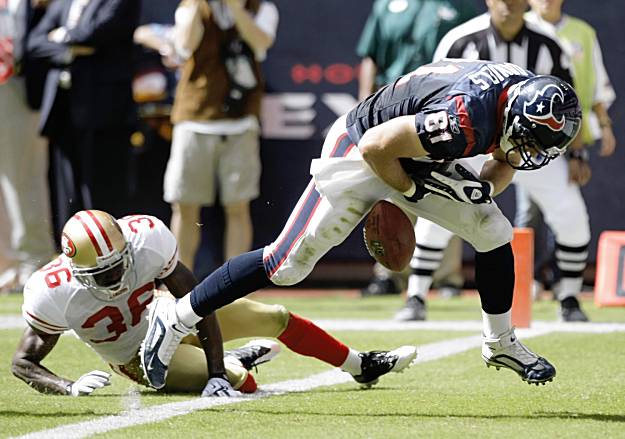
point(458, 106)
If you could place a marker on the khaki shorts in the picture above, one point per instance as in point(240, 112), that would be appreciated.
point(200, 164)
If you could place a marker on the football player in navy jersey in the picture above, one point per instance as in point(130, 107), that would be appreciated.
point(405, 144)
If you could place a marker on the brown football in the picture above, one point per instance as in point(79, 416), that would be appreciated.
point(389, 236)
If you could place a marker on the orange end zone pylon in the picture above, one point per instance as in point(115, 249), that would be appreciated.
point(523, 249)
point(610, 276)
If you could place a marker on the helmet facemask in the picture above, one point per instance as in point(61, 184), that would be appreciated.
point(523, 151)
point(110, 277)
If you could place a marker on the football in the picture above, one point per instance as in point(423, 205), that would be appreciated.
point(389, 236)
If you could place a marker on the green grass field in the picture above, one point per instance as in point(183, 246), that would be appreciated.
point(454, 396)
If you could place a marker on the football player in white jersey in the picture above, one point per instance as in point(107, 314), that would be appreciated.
point(100, 288)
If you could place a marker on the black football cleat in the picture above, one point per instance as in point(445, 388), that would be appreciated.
point(570, 311)
point(413, 310)
point(254, 353)
point(374, 364)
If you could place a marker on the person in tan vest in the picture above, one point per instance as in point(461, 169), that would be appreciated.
point(216, 110)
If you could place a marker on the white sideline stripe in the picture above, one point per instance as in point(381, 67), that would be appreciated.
point(12, 322)
point(17, 322)
point(159, 413)
point(460, 325)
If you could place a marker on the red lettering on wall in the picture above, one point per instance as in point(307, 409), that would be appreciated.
point(339, 74)
point(335, 74)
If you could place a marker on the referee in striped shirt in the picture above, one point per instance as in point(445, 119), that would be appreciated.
point(503, 35)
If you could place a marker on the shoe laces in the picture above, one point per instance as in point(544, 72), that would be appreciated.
point(249, 355)
point(374, 360)
point(510, 344)
point(522, 353)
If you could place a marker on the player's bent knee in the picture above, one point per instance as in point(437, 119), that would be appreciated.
point(290, 275)
point(269, 320)
point(281, 318)
point(492, 232)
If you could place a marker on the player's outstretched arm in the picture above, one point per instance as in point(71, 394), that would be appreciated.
point(179, 283)
point(498, 172)
point(32, 349)
point(383, 145)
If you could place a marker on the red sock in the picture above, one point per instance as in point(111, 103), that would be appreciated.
point(306, 338)
point(249, 385)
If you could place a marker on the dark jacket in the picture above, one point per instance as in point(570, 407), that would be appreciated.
point(100, 95)
point(33, 71)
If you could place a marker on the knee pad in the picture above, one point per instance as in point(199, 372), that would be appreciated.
point(492, 231)
point(291, 270)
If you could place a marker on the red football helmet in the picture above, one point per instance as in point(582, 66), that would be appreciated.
point(100, 256)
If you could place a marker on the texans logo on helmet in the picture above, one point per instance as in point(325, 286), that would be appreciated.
point(540, 108)
point(69, 249)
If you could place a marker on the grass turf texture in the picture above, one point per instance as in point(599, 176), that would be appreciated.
point(452, 397)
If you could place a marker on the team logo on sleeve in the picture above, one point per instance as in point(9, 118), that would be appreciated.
point(69, 249)
point(540, 108)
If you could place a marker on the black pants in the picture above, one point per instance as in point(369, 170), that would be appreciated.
point(88, 170)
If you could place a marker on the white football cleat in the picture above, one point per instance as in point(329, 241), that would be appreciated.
point(163, 337)
point(507, 351)
point(374, 364)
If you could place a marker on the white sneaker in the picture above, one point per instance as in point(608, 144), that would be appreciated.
point(507, 351)
point(163, 337)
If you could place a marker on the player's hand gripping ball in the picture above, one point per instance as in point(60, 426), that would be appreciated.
point(389, 236)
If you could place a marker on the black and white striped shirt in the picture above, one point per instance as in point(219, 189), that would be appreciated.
point(533, 48)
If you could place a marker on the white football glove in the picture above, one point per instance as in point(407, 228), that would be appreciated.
point(217, 386)
point(87, 383)
point(470, 189)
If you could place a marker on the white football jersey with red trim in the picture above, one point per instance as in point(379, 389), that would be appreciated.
point(54, 301)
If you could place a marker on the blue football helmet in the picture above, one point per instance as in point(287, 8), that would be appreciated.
point(541, 119)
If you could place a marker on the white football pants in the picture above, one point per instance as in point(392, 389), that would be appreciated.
point(342, 191)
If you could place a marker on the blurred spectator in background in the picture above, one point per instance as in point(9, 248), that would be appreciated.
point(503, 35)
point(215, 144)
point(596, 94)
point(399, 36)
point(25, 233)
point(87, 112)
point(153, 89)
point(592, 83)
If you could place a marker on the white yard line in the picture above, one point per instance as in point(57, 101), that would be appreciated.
point(17, 322)
point(12, 322)
point(460, 325)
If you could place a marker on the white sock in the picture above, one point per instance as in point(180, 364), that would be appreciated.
point(185, 312)
point(419, 286)
point(496, 324)
point(568, 287)
point(352, 363)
